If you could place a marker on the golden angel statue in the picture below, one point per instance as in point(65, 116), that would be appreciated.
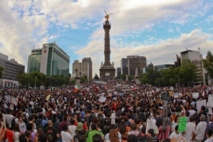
point(107, 15)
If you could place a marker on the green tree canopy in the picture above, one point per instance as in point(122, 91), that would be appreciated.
point(208, 64)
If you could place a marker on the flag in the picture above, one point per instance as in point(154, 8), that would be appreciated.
point(76, 88)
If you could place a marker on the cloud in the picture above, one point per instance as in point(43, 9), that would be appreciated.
point(27, 24)
point(19, 34)
point(162, 52)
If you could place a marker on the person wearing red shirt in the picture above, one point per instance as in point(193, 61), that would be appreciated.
point(9, 134)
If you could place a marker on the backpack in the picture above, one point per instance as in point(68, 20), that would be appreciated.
point(49, 133)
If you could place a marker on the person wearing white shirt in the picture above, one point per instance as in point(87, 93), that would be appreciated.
point(209, 136)
point(72, 127)
point(175, 134)
point(8, 118)
point(200, 129)
point(66, 135)
point(190, 129)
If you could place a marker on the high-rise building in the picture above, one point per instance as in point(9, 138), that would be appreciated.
point(50, 60)
point(124, 66)
point(89, 61)
point(80, 68)
point(118, 71)
point(134, 62)
point(163, 66)
point(148, 67)
point(34, 61)
point(196, 58)
point(11, 69)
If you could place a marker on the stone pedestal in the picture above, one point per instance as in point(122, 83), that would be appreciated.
point(77, 80)
point(107, 73)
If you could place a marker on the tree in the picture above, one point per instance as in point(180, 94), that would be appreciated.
point(72, 82)
point(187, 71)
point(130, 77)
point(208, 64)
point(96, 77)
point(1, 71)
point(167, 77)
point(83, 79)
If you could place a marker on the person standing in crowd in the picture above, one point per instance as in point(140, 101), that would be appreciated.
point(175, 135)
point(72, 127)
point(66, 135)
point(8, 118)
point(16, 133)
point(151, 134)
point(22, 125)
point(113, 135)
point(62, 124)
point(9, 134)
point(190, 129)
point(52, 134)
point(200, 129)
point(209, 136)
point(94, 130)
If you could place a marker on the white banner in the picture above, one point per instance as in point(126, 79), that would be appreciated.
point(14, 100)
point(199, 104)
point(102, 99)
point(195, 95)
point(210, 101)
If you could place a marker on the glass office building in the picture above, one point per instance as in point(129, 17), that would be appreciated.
point(53, 60)
point(34, 61)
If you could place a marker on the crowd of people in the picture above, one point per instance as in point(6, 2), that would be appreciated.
point(105, 112)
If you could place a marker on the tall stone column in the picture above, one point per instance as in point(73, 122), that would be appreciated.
point(107, 70)
point(107, 27)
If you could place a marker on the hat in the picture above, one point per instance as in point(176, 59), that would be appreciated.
point(79, 127)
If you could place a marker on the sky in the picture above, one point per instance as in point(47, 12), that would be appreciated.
point(156, 29)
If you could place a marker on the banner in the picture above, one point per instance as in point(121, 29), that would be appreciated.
point(195, 95)
point(14, 100)
point(210, 101)
point(102, 99)
point(199, 104)
point(48, 97)
point(182, 124)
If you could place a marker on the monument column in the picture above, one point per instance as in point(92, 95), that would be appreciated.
point(107, 51)
point(107, 70)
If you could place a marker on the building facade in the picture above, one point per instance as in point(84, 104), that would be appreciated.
point(148, 67)
point(80, 69)
point(163, 66)
point(134, 62)
point(50, 60)
point(89, 61)
point(124, 66)
point(34, 61)
point(118, 72)
point(196, 58)
point(11, 69)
